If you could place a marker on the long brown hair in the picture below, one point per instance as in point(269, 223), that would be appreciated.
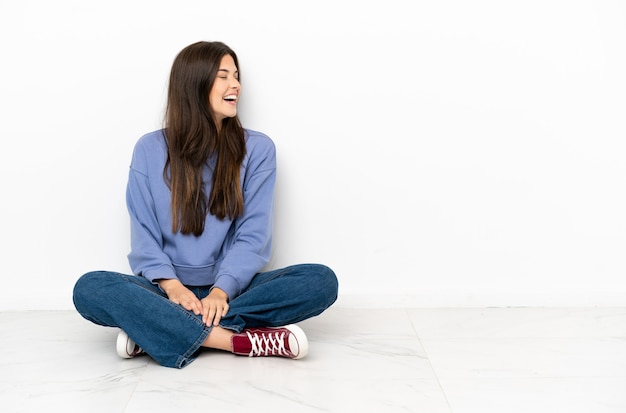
point(193, 138)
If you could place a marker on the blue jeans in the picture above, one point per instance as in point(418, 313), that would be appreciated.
point(172, 335)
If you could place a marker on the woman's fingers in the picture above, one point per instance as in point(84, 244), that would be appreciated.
point(219, 313)
point(213, 312)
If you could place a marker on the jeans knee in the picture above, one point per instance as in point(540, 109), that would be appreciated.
point(83, 288)
point(89, 287)
point(86, 282)
point(328, 282)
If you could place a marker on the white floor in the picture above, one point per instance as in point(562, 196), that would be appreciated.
point(361, 360)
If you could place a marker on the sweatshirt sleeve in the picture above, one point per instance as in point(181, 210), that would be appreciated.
point(252, 239)
point(146, 257)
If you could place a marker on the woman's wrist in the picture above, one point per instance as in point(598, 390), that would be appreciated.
point(167, 284)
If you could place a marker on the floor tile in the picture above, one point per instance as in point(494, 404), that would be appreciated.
point(453, 360)
point(527, 357)
point(58, 359)
point(550, 395)
point(285, 390)
point(519, 322)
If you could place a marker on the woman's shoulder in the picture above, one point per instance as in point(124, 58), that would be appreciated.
point(254, 136)
point(150, 148)
point(256, 140)
point(260, 150)
point(152, 140)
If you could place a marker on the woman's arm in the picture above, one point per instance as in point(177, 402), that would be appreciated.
point(250, 247)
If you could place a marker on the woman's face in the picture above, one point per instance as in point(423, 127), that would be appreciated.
point(225, 91)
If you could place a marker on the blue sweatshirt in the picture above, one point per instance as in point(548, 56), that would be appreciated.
point(229, 252)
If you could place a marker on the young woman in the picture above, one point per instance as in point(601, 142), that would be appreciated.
point(200, 198)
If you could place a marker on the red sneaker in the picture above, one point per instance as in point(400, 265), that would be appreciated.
point(288, 341)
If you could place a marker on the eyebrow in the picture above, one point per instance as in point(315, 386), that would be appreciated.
point(226, 70)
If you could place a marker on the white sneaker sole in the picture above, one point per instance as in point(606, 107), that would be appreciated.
point(297, 340)
point(124, 345)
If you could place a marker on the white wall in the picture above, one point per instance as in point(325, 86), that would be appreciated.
point(434, 153)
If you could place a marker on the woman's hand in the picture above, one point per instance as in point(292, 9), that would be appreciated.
point(179, 294)
point(214, 307)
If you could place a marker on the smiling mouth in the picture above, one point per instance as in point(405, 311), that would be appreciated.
point(230, 98)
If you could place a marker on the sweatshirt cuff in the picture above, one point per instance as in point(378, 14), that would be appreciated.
point(228, 284)
point(164, 272)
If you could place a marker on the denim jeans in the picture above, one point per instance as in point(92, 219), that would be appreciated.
point(172, 335)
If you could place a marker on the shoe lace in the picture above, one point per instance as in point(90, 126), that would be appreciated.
point(268, 344)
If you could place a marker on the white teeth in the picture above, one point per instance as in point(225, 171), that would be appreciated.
point(230, 97)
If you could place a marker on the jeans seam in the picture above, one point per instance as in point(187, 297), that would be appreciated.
point(184, 358)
